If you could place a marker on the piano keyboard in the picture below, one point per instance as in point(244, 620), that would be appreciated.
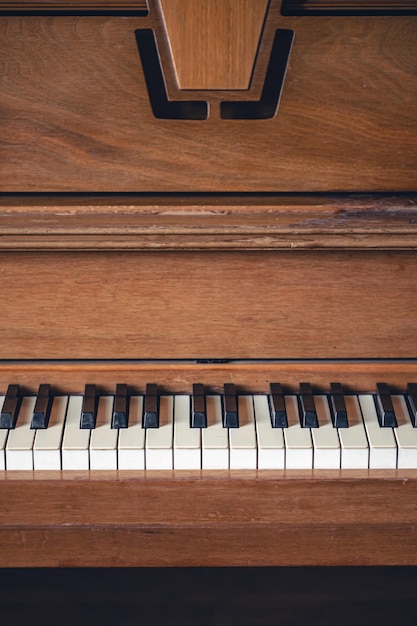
point(209, 432)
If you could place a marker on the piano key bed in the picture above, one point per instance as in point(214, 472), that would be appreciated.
point(207, 431)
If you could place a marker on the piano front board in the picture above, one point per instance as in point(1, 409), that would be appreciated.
point(76, 114)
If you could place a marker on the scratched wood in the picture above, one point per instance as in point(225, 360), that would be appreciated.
point(76, 115)
point(264, 222)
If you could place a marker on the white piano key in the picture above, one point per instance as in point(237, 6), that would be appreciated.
point(243, 452)
point(298, 443)
point(131, 447)
point(76, 441)
point(215, 438)
point(405, 435)
point(19, 447)
point(354, 442)
point(103, 441)
point(382, 446)
point(159, 441)
point(326, 444)
point(47, 447)
point(271, 448)
point(4, 433)
point(187, 440)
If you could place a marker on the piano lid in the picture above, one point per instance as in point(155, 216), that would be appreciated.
point(92, 103)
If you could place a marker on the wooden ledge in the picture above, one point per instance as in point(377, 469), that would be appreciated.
point(265, 222)
point(182, 519)
point(178, 376)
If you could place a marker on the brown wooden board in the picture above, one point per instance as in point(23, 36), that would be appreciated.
point(75, 112)
point(219, 304)
point(207, 518)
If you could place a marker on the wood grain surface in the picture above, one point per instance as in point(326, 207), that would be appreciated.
point(76, 116)
point(182, 305)
point(252, 376)
point(218, 222)
point(216, 45)
point(96, 519)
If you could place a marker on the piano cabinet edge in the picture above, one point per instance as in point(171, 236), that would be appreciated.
point(208, 222)
point(252, 376)
point(208, 519)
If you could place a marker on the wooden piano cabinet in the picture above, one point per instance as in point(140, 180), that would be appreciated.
point(137, 248)
point(326, 290)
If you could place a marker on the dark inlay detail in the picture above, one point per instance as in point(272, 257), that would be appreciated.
point(163, 108)
point(348, 7)
point(83, 8)
point(267, 106)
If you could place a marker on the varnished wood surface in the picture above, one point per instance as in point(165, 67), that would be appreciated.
point(245, 222)
point(223, 36)
point(70, 377)
point(181, 519)
point(188, 305)
point(76, 115)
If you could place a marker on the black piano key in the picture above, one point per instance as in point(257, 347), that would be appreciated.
point(307, 407)
point(120, 417)
point(198, 411)
point(151, 407)
point(412, 402)
point(89, 408)
point(385, 409)
point(10, 409)
point(230, 410)
point(40, 416)
point(338, 406)
point(279, 412)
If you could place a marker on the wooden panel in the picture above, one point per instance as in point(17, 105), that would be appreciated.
point(210, 305)
point(76, 6)
point(305, 7)
point(183, 518)
point(215, 45)
point(75, 116)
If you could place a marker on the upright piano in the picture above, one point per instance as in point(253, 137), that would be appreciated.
point(208, 218)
